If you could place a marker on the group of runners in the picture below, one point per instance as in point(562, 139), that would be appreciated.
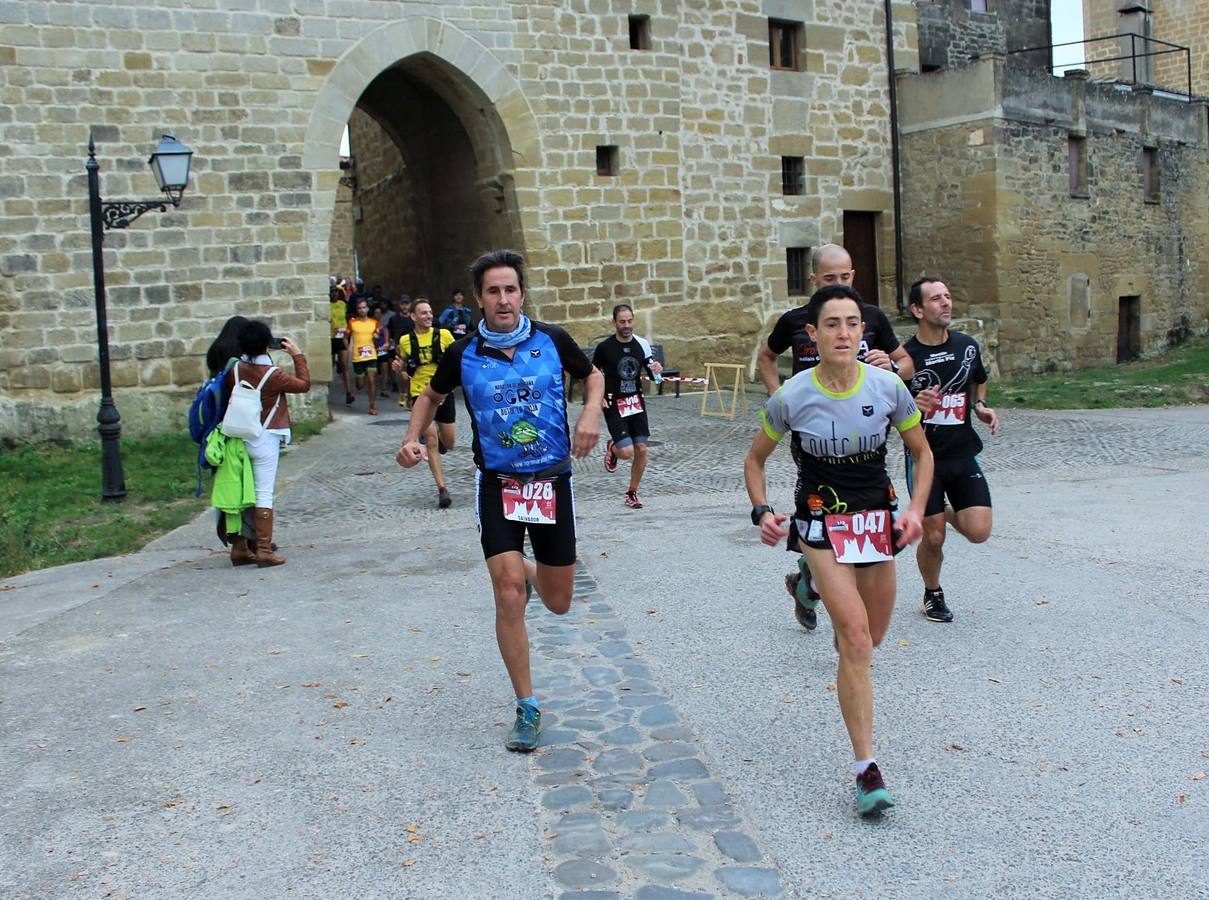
point(852, 383)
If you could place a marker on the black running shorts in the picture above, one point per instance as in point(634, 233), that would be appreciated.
point(628, 429)
point(447, 412)
point(819, 539)
point(553, 545)
point(958, 478)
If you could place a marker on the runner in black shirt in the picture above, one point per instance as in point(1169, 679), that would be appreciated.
point(830, 265)
point(950, 384)
point(622, 358)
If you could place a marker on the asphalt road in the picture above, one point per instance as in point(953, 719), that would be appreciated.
point(171, 726)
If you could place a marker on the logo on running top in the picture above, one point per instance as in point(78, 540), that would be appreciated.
point(866, 411)
point(520, 395)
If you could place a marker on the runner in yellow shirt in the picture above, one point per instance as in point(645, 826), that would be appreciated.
point(338, 315)
point(417, 359)
point(359, 339)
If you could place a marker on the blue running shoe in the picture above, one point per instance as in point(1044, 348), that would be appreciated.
point(872, 797)
point(525, 730)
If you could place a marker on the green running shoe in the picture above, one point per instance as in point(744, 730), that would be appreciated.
point(872, 797)
point(525, 730)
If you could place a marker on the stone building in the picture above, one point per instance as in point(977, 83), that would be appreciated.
point(682, 157)
point(1183, 22)
point(1067, 216)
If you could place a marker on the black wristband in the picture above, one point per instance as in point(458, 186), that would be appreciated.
point(757, 513)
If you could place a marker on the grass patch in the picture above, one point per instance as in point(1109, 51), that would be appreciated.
point(1178, 377)
point(50, 499)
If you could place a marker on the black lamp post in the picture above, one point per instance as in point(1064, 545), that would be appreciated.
point(170, 163)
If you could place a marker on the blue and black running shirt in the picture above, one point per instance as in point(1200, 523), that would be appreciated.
point(518, 409)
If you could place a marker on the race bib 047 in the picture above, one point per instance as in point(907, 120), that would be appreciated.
point(862, 537)
point(531, 502)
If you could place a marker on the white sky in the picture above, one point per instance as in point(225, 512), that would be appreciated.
point(1066, 20)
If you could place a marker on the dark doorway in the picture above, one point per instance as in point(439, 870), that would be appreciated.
point(1129, 328)
point(433, 185)
point(860, 240)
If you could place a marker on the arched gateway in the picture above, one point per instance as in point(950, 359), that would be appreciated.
point(461, 126)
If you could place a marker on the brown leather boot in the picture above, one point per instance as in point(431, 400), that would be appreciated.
point(241, 555)
point(265, 556)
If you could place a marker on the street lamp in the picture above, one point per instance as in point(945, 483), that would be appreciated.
point(170, 163)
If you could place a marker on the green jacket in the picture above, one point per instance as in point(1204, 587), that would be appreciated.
point(233, 490)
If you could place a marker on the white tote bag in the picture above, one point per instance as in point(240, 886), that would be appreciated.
point(242, 419)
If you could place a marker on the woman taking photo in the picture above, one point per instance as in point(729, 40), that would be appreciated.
point(254, 341)
point(839, 414)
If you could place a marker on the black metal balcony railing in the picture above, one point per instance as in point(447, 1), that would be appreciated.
point(1140, 48)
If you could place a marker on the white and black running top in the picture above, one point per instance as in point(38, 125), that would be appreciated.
point(841, 438)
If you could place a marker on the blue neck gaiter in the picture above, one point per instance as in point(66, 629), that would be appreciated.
point(498, 341)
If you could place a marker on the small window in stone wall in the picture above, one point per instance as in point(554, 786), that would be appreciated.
point(607, 160)
point(785, 40)
point(797, 260)
point(1150, 174)
point(979, 6)
point(793, 176)
point(640, 32)
point(1078, 290)
point(1076, 153)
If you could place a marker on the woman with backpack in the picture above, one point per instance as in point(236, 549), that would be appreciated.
point(253, 366)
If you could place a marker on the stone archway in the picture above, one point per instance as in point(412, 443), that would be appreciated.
point(461, 127)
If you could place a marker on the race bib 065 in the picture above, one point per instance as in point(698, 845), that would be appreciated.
point(950, 411)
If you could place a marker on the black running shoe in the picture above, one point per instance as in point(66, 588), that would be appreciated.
point(805, 613)
point(934, 607)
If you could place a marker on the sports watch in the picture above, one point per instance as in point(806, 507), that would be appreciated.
point(757, 513)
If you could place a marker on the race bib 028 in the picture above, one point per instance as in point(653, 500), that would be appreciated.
point(531, 502)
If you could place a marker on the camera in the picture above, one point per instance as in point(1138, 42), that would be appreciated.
point(275, 344)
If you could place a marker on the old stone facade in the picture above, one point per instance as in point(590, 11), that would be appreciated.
point(499, 112)
point(1184, 22)
point(1066, 274)
point(952, 32)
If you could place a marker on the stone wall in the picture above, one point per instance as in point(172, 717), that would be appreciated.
point(1184, 22)
point(340, 238)
point(951, 34)
point(1048, 267)
point(692, 230)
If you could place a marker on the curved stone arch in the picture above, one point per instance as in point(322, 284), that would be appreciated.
point(481, 74)
point(476, 86)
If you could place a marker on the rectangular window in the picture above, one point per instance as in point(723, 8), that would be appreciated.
point(785, 41)
point(793, 176)
point(1076, 151)
point(640, 32)
point(797, 260)
point(1150, 174)
point(978, 5)
point(607, 160)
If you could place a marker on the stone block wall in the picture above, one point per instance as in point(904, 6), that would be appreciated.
point(951, 34)
point(692, 230)
point(1050, 268)
point(1184, 22)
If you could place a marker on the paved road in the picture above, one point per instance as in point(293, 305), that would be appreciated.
point(170, 726)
